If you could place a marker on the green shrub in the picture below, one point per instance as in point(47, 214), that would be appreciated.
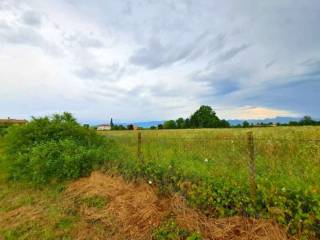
point(171, 231)
point(50, 149)
point(3, 130)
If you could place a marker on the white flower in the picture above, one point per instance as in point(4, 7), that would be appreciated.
point(283, 189)
point(206, 160)
point(150, 182)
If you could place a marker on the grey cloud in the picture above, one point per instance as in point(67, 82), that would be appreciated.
point(231, 53)
point(296, 93)
point(127, 9)
point(220, 84)
point(32, 18)
point(109, 72)
point(157, 55)
point(20, 35)
point(292, 96)
point(86, 40)
point(151, 57)
point(271, 63)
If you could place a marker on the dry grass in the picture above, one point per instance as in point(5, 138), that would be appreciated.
point(134, 211)
point(20, 216)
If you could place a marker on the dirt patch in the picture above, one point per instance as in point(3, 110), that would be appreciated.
point(134, 210)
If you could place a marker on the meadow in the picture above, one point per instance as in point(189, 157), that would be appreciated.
point(210, 168)
point(284, 156)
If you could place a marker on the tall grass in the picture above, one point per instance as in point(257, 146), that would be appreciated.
point(210, 168)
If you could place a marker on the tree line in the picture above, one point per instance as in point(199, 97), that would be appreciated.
point(305, 121)
point(204, 117)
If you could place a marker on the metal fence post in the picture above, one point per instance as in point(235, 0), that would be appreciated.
point(252, 166)
point(139, 151)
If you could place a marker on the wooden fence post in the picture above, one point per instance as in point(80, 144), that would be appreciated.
point(139, 151)
point(252, 166)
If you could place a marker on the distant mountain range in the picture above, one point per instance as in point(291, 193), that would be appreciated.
point(233, 122)
point(281, 120)
point(144, 124)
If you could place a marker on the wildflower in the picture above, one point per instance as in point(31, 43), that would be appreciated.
point(206, 160)
point(283, 189)
point(150, 182)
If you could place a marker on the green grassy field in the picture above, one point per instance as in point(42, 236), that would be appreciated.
point(285, 156)
point(30, 212)
point(210, 167)
point(25, 203)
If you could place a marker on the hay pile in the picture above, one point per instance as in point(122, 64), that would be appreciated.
point(134, 210)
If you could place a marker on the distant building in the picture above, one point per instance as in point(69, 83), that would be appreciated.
point(10, 121)
point(104, 127)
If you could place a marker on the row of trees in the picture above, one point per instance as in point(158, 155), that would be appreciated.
point(204, 117)
point(305, 121)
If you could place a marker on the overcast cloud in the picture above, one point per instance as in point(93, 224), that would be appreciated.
point(152, 60)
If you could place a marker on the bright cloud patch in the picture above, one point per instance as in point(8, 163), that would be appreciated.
point(249, 112)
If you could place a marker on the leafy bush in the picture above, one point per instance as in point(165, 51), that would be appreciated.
point(3, 130)
point(49, 149)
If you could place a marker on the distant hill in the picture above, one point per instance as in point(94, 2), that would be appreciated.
point(144, 124)
point(266, 120)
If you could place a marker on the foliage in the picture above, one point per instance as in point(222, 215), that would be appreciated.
point(48, 149)
point(3, 130)
point(118, 127)
point(245, 124)
point(180, 123)
point(171, 231)
point(130, 127)
point(305, 121)
point(204, 117)
point(171, 124)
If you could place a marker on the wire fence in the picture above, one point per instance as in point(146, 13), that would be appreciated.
point(269, 173)
point(245, 158)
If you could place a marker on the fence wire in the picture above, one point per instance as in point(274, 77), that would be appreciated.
point(280, 161)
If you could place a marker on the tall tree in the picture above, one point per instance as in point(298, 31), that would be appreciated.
point(204, 117)
point(180, 123)
point(171, 124)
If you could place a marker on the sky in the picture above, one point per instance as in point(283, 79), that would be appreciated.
point(143, 60)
